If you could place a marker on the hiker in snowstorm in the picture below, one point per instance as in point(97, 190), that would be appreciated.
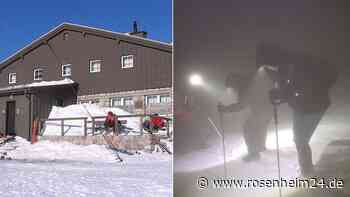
point(253, 93)
point(306, 90)
point(111, 122)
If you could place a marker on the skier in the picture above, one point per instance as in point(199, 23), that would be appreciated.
point(253, 93)
point(306, 90)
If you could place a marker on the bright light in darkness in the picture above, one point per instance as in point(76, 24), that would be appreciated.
point(196, 80)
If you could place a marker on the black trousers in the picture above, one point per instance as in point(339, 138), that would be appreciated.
point(304, 126)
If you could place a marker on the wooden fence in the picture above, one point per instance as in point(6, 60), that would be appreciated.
point(96, 122)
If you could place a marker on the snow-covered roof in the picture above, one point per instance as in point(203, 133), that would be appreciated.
point(39, 84)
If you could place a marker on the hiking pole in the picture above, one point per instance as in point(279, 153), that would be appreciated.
point(275, 117)
point(223, 141)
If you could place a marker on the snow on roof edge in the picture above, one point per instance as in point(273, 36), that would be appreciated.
point(40, 84)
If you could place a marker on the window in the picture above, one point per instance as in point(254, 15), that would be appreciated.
point(127, 61)
point(128, 101)
point(120, 101)
point(95, 101)
point(58, 102)
point(95, 66)
point(116, 102)
point(66, 70)
point(38, 74)
point(65, 36)
point(12, 78)
point(165, 99)
point(84, 102)
point(152, 99)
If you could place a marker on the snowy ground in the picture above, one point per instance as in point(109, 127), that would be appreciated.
point(49, 169)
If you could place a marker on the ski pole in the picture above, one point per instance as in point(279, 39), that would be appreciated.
point(215, 128)
point(277, 146)
point(223, 141)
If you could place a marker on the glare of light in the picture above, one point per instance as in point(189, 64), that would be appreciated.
point(196, 80)
point(285, 139)
point(234, 152)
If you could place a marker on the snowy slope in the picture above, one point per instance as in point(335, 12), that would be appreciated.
point(48, 169)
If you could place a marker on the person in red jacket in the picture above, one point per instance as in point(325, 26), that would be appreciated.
point(157, 122)
point(110, 122)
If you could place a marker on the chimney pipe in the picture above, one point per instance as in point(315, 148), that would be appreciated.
point(135, 27)
point(136, 32)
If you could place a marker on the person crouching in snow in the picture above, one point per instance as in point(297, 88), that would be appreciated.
point(154, 123)
point(158, 122)
point(110, 123)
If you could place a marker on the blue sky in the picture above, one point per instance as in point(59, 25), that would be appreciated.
point(23, 21)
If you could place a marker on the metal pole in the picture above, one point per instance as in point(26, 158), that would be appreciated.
point(223, 141)
point(168, 128)
point(93, 125)
point(141, 125)
point(277, 146)
point(62, 127)
point(85, 126)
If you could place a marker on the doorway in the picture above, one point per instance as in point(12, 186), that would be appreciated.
point(10, 117)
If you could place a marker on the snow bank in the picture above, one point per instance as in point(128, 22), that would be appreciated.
point(76, 127)
point(64, 151)
point(46, 150)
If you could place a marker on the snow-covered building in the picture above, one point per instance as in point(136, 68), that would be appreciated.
point(79, 64)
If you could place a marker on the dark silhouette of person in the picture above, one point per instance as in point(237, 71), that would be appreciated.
point(308, 96)
point(253, 93)
point(304, 83)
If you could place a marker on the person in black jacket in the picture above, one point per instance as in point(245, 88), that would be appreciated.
point(306, 90)
point(304, 83)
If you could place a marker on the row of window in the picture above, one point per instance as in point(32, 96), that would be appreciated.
point(94, 67)
point(150, 99)
point(129, 101)
point(122, 101)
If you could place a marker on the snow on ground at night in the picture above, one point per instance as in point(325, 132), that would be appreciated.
point(330, 145)
point(75, 127)
point(48, 169)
